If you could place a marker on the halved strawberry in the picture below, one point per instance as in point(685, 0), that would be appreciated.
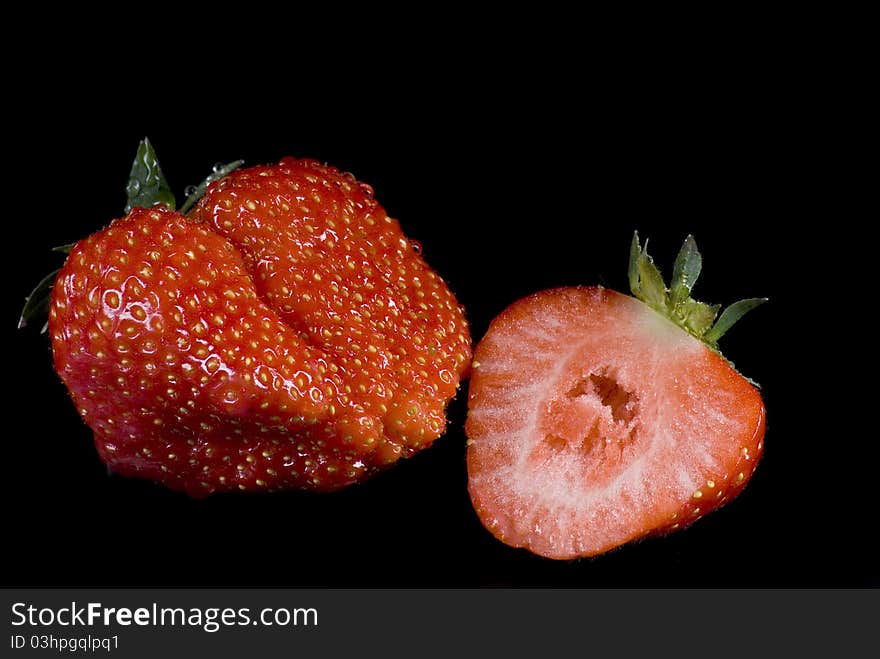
point(596, 418)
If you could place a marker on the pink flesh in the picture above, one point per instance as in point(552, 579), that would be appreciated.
point(593, 421)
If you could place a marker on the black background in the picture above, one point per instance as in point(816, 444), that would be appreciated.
point(515, 174)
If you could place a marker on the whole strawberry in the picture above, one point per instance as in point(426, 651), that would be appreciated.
point(287, 335)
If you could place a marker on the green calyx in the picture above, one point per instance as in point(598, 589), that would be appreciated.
point(198, 191)
point(675, 302)
point(146, 187)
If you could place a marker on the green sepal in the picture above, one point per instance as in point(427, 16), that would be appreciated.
point(697, 316)
point(730, 316)
point(676, 303)
point(635, 251)
point(37, 303)
point(64, 249)
point(685, 272)
point(146, 184)
point(218, 173)
point(649, 286)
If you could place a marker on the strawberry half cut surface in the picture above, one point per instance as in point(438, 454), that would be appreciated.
point(596, 418)
point(285, 335)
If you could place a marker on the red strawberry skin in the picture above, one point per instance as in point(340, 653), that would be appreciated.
point(185, 377)
point(339, 270)
point(191, 374)
point(594, 421)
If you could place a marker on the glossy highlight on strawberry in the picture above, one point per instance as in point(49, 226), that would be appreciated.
point(286, 335)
